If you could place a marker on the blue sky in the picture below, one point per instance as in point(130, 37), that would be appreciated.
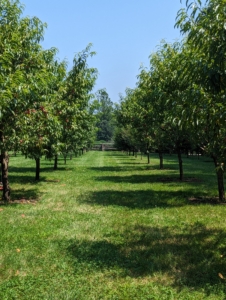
point(123, 33)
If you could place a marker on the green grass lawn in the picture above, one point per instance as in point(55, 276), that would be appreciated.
point(109, 226)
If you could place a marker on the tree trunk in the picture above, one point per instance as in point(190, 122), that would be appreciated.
point(148, 157)
point(37, 175)
point(55, 162)
point(4, 169)
point(180, 163)
point(220, 179)
point(160, 160)
point(147, 147)
point(5, 180)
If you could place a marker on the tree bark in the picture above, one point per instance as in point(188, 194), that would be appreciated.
point(160, 160)
point(55, 162)
point(220, 182)
point(220, 179)
point(37, 173)
point(148, 157)
point(180, 163)
point(5, 180)
point(4, 169)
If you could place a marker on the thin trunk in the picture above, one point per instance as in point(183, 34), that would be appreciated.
point(160, 160)
point(55, 162)
point(65, 159)
point(70, 156)
point(180, 163)
point(5, 180)
point(220, 179)
point(4, 169)
point(148, 157)
point(147, 147)
point(37, 173)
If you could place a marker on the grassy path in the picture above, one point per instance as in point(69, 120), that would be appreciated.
point(108, 226)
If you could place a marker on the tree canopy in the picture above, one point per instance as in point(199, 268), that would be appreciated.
point(179, 102)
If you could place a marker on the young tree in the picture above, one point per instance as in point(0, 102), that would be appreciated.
point(19, 60)
point(73, 109)
point(105, 110)
point(204, 26)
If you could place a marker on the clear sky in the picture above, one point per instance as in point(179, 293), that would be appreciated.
point(123, 33)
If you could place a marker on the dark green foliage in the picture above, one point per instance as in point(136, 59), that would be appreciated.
point(105, 116)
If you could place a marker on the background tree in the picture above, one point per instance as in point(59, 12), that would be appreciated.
point(73, 110)
point(105, 116)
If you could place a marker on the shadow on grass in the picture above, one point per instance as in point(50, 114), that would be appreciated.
point(42, 169)
point(21, 196)
point(148, 178)
point(117, 169)
point(25, 175)
point(190, 257)
point(135, 162)
point(138, 199)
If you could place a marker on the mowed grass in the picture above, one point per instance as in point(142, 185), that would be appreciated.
point(109, 226)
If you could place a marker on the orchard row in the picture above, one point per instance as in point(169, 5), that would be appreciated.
point(44, 109)
point(180, 100)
